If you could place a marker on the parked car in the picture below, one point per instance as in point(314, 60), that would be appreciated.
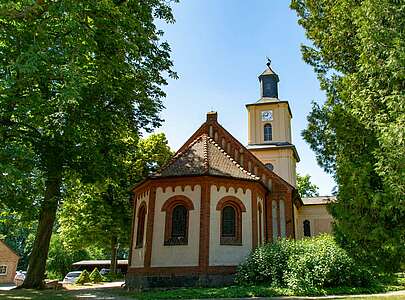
point(72, 277)
point(19, 277)
point(104, 271)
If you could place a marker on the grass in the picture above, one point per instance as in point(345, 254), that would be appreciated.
point(252, 291)
point(200, 293)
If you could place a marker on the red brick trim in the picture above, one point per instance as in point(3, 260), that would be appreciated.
point(279, 215)
point(203, 259)
point(260, 222)
point(254, 219)
point(224, 201)
point(269, 218)
point(175, 200)
point(149, 228)
point(132, 229)
point(168, 207)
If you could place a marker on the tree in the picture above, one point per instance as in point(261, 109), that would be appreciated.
point(305, 187)
point(358, 133)
point(78, 81)
point(101, 214)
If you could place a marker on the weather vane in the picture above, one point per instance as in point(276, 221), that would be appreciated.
point(268, 61)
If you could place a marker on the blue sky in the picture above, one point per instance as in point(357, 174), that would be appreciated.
point(219, 48)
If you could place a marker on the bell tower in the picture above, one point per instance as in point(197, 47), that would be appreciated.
point(269, 129)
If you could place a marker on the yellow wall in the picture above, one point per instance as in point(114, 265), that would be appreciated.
point(281, 122)
point(226, 255)
point(319, 218)
point(176, 255)
point(282, 159)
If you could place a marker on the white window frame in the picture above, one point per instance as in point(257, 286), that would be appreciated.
point(5, 270)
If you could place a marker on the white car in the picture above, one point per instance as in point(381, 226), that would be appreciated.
point(104, 271)
point(19, 277)
point(71, 277)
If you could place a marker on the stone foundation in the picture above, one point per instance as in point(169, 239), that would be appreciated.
point(139, 282)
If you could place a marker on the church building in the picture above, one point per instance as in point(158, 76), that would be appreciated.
point(200, 216)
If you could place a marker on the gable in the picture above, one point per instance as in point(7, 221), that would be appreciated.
point(5, 248)
point(238, 153)
point(204, 156)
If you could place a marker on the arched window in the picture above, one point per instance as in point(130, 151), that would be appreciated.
point(177, 220)
point(231, 209)
point(307, 228)
point(140, 228)
point(228, 222)
point(268, 133)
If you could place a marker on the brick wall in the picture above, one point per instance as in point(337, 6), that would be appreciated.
point(9, 259)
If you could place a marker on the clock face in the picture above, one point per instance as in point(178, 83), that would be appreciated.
point(267, 115)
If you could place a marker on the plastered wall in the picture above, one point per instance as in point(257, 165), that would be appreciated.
point(319, 218)
point(226, 255)
point(178, 255)
point(283, 161)
point(138, 254)
point(281, 123)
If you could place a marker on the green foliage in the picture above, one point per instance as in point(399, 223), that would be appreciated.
point(83, 278)
point(78, 82)
point(305, 187)
point(61, 258)
point(95, 276)
point(95, 214)
point(302, 266)
point(358, 133)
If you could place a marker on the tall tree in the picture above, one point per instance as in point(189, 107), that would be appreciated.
point(100, 214)
point(78, 79)
point(358, 53)
point(305, 187)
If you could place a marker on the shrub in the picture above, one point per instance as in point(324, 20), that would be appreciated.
point(83, 278)
point(302, 265)
point(266, 264)
point(95, 276)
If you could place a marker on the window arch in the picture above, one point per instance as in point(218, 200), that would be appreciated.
point(231, 209)
point(177, 219)
point(307, 228)
point(140, 228)
point(268, 133)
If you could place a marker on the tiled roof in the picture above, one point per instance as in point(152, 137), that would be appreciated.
point(318, 200)
point(204, 157)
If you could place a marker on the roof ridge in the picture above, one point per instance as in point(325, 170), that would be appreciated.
point(206, 160)
point(210, 139)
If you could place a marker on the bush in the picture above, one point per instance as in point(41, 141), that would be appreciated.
point(95, 276)
point(83, 278)
point(302, 265)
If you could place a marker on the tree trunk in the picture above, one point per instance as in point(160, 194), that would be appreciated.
point(37, 261)
point(114, 249)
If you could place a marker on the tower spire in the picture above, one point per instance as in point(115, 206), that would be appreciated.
point(269, 82)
